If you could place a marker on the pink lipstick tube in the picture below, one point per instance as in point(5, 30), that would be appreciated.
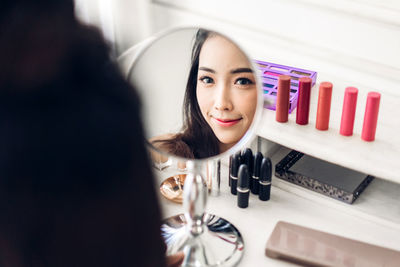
point(349, 111)
point(303, 101)
point(324, 106)
point(282, 100)
point(371, 116)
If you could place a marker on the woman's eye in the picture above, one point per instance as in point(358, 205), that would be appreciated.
point(243, 81)
point(206, 79)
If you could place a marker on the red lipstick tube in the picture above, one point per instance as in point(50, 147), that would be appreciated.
point(349, 111)
point(303, 101)
point(324, 106)
point(282, 100)
point(371, 116)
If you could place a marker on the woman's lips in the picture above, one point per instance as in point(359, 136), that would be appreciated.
point(226, 122)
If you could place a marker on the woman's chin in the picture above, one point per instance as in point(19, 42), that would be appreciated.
point(225, 144)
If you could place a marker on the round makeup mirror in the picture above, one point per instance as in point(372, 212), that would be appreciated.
point(201, 100)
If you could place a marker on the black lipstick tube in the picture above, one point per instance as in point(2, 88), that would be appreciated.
point(230, 170)
point(265, 179)
point(256, 173)
point(247, 158)
point(243, 191)
point(233, 177)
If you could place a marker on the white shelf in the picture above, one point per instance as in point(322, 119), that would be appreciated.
point(380, 158)
point(377, 203)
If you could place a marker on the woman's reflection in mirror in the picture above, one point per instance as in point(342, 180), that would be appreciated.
point(220, 99)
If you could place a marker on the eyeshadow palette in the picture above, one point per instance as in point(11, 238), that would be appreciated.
point(270, 73)
point(323, 177)
point(309, 247)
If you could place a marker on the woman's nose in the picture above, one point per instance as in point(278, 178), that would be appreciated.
point(222, 100)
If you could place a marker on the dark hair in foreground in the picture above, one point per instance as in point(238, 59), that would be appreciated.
point(197, 139)
point(76, 186)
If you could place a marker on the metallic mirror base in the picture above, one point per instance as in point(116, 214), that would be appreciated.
point(220, 243)
point(172, 188)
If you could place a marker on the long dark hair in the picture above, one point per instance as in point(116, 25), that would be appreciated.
point(76, 185)
point(196, 139)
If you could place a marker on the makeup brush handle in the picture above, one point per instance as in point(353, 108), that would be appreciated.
point(194, 201)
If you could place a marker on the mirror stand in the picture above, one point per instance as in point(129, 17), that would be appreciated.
point(205, 239)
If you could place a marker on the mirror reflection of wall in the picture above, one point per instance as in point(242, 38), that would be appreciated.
point(160, 76)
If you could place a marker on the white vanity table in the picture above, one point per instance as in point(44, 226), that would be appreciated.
point(373, 218)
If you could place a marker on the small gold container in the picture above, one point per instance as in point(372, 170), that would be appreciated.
point(172, 188)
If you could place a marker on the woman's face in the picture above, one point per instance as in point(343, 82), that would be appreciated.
point(226, 90)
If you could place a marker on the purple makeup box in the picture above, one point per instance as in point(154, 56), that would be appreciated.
point(270, 73)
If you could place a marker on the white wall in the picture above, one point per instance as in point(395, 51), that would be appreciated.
point(122, 22)
point(356, 40)
point(358, 35)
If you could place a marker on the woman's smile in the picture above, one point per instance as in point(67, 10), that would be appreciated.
point(226, 122)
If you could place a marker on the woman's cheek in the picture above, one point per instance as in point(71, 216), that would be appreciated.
point(247, 102)
point(202, 99)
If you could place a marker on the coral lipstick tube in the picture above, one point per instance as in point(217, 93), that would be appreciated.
point(303, 101)
point(371, 116)
point(324, 106)
point(349, 111)
point(283, 97)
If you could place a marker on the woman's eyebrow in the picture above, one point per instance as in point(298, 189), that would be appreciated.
point(207, 69)
point(239, 70)
point(234, 71)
